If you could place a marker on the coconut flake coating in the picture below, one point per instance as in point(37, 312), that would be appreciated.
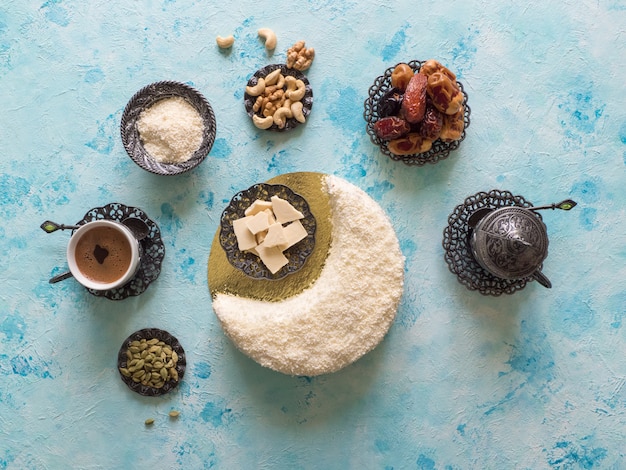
point(345, 313)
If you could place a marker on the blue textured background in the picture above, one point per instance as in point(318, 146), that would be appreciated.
point(533, 380)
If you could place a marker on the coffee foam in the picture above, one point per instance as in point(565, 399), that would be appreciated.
point(114, 265)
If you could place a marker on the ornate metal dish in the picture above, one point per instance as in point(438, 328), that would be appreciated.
point(249, 263)
point(440, 149)
point(307, 101)
point(458, 252)
point(167, 338)
point(153, 249)
point(510, 242)
point(145, 98)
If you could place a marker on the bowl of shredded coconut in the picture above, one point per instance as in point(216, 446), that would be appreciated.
point(168, 128)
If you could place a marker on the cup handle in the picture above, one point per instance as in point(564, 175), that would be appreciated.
point(60, 277)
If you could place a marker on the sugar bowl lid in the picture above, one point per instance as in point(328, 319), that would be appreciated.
point(510, 242)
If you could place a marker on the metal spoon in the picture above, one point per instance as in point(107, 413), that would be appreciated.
point(139, 228)
point(48, 226)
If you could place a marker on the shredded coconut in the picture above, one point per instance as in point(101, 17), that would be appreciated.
point(345, 313)
point(171, 130)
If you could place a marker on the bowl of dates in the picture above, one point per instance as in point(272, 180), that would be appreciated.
point(417, 112)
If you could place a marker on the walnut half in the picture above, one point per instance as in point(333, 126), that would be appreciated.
point(299, 57)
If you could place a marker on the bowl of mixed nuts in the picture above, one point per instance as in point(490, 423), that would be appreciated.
point(278, 98)
point(417, 112)
point(151, 362)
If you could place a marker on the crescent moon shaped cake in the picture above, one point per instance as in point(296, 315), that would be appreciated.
point(337, 307)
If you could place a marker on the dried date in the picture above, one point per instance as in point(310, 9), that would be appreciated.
point(391, 127)
point(430, 127)
point(414, 102)
point(410, 144)
point(401, 75)
point(390, 103)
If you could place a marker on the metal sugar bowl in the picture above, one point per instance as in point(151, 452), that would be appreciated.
point(511, 242)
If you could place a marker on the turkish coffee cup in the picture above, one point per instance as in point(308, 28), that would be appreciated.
point(103, 255)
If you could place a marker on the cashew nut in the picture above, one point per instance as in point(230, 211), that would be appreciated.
point(290, 83)
point(296, 110)
point(225, 43)
point(263, 123)
point(272, 77)
point(270, 38)
point(281, 115)
point(281, 81)
point(298, 93)
point(257, 89)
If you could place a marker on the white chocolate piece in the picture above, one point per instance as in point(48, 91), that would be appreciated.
point(294, 232)
point(245, 238)
point(257, 223)
point(258, 206)
point(270, 216)
point(225, 43)
point(272, 257)
point(284, 211)
point(270, 38)
point(275, 236)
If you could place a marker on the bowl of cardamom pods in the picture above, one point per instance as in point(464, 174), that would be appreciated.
point(151, 362)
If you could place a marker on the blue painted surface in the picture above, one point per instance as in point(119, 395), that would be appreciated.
point(530, 381)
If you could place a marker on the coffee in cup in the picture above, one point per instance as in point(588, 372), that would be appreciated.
point(103, 254)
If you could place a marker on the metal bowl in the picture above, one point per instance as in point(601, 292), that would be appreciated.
point(510, 242)
point(250, 264)
point(145, 98)
point(307, 101)
point(167, 338)
point(440, 149)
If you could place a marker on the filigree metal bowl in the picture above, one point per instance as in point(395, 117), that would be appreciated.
point(249, 263)
point(457, 243)
point(145, 98)
point(439, 150)
point(167, 338)
point(307, 101)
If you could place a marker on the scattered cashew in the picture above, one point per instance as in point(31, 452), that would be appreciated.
point(296, 110)
point(225, 43)
point(270, 38)
point(257, 89)
point(263, 123)
point(281, 115)
point(298, 93)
